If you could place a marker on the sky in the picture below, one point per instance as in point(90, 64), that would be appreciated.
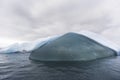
point(28, 20)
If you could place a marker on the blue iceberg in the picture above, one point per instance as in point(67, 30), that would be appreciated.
point(71, 46)
point(81, 46)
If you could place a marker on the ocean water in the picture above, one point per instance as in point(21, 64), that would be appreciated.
point(17, 66)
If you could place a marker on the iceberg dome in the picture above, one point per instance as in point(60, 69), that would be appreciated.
point(73, 47)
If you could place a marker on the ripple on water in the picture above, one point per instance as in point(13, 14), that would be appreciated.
point(19, 67)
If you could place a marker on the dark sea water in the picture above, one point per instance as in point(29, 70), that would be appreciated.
point(17, 66)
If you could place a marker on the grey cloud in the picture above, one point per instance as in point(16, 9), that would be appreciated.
point(32, 19)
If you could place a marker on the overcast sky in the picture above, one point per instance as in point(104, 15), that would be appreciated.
point(25, 20)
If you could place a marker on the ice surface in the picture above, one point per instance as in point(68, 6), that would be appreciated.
point(72, 47)
point(11, 48)
point(27, 46)
point(100, 39)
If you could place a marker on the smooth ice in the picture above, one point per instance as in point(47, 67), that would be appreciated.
point(75, 47)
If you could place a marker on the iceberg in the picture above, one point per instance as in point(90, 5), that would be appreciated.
point(82, 46)
point(9, 49)
point(27, 46)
